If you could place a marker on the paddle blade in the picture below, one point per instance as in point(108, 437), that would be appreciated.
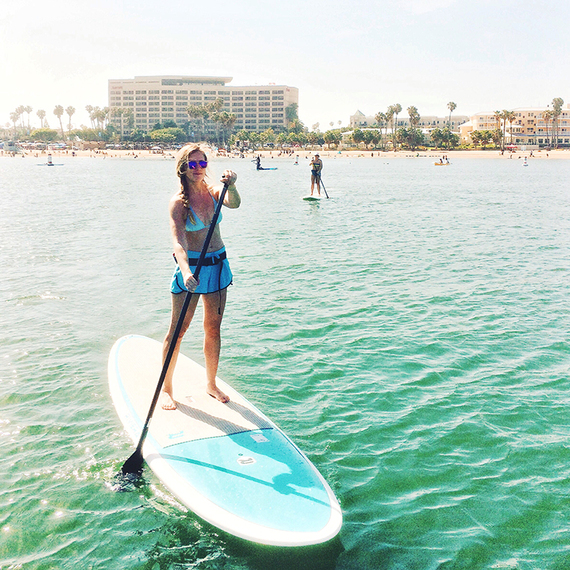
point(133, 465)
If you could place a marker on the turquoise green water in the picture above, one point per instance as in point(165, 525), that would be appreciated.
point(410, 334)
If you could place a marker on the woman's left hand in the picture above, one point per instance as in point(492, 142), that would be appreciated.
point(229, 177)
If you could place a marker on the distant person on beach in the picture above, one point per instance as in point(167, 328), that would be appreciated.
point(316, 168)
point(191, 211)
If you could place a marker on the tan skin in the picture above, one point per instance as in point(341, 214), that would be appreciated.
point(316, 164)
point(201, 202)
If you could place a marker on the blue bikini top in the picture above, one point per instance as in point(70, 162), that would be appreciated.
point(199, 224)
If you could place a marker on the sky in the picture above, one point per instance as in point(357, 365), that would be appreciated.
point(342, 55)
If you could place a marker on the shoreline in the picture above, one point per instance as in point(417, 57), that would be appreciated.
point(303, 154)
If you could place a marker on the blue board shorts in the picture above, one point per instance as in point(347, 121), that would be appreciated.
point(215, 274)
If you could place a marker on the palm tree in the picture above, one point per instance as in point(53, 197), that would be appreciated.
point(503, 116)
point(390, 119)
point(510, 116)
point(497, 116)
point(382, 122)
point(70, 111)
point(397, 110)
point(291, 113)
point(557, 103)
point(89, 109)
point(58, 112)
point(228, 121)
point(547, 116)
point(194, 113)
point(28, 110)
point(14, 116)
point(41, 114)
point(414, 115)
point(118, 112)
point(21, 110)
point(451, 106)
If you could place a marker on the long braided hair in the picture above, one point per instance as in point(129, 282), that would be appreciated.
point(181, 168)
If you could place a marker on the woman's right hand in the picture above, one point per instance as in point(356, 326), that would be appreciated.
point(190, 282)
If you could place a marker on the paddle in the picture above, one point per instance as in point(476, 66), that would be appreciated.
point(321, 182)
point(133, 465)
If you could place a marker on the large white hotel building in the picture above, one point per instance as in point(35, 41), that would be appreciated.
point(156, 99)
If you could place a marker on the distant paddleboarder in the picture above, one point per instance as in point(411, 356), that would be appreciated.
point(316, 168)
point(191, 211)
point(49, 160)
point(258, 162)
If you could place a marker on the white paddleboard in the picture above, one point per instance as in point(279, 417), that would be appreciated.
point(313, 198)
point(228, 463)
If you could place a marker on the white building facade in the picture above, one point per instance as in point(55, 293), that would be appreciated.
point(156, 99)
point(531, 127)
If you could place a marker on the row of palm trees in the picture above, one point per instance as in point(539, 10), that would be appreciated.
point(411, 136)
point(18, 114)
point(549, 116)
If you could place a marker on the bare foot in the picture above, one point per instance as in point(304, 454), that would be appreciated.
point(166, 401)
point(216, 393)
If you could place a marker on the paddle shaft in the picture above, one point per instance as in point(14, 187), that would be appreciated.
point(320, 180)
point(134, 463)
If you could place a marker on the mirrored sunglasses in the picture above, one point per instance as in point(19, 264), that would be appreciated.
point(193, 164)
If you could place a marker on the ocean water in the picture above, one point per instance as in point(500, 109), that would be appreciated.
point(410, 334)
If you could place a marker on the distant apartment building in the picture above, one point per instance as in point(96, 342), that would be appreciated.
point(529, 128)
point(156, 99)
point(427, 123)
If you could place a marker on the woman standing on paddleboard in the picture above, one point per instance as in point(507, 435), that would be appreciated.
point(191, 212)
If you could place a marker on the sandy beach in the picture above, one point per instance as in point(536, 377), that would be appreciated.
point(305, 154)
